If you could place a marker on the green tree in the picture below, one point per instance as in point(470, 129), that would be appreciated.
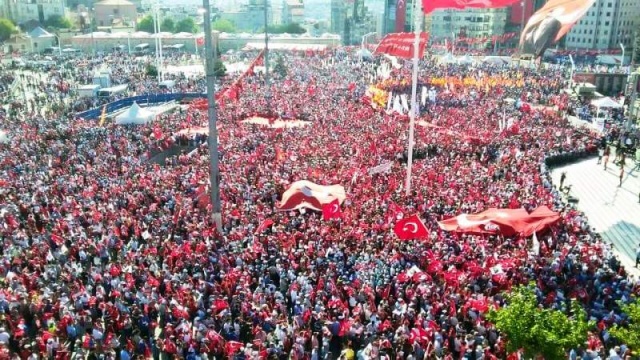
point(546, 332)
point(151, 70)
point(147, 24)
point(280, 68)
point(219, 69)
point(186, 25)
point(58, 22)
point(291, 28)
point(168, 25)
point(629, 333)
point(6, 29)
point(223, 25)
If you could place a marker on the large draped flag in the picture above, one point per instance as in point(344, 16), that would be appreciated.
point(430, 5)
point(506, 222)
point(401, 44)
point(305, 194)
point(411, 228)
point(551, 23)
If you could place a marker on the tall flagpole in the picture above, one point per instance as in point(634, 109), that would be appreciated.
point(414, 89)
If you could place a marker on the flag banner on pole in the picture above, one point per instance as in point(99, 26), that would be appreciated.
point(382, 168)
point(430, 5)
point(550, 24)
point(401, 45)
point(401, 15)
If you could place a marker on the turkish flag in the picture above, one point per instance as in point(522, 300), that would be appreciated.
point(264, 226)
point(402, 44)
point(430, 5)
point(411, 228)
point(419, 335)
point(200, 41)
point(331, 210)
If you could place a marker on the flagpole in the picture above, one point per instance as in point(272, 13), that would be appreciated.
point(414, 88)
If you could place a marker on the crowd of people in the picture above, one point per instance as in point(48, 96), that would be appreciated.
point(107, 255)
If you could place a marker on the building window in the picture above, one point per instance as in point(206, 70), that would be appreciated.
point(609, 5)
point(116, 11)
point(608, 13)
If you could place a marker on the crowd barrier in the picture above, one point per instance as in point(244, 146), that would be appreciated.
point(142, 100)
point(568, 158)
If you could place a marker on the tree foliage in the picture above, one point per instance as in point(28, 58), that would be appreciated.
point(280, 68)
point(168, 25)
point(58, 22)
point(219, 70)
point(6, 29)
point(223, 25)
point(629, 332)
point(147, 24)
point(186, 25)
point(546, 332)
point(291, 28)
point(151, 70)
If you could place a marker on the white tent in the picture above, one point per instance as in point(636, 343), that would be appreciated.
point(606, 102)
point(4, 138)
point(135, 115)
point(466, 59)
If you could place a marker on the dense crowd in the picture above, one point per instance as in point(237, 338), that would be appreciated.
point(107, 255)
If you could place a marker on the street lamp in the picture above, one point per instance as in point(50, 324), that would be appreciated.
point(214, 168)
point(365, 36)
point(622, 60)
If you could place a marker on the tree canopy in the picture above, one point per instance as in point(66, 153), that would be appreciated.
point(186, 25)
point(147, 24)
point(291, 28)
point(223, 25)
point(629, 331)
point(58, 22)
point(168, 25)
point(6, 29)
point(538, 331)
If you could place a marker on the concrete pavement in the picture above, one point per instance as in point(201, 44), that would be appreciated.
point(613, 211)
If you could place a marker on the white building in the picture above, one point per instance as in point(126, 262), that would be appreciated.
point(474, 23)
point(22, 11)
point(606, 25)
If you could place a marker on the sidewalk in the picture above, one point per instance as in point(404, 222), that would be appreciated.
point(613, 211)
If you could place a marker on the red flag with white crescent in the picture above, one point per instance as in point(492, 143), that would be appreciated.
point(331, 210)
point(411, 228)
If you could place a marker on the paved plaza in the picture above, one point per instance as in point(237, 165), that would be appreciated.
point(613, 211)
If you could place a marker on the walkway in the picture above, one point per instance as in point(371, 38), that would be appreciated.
point(613, 211)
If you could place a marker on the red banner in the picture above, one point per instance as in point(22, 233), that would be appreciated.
point(430, 5)
point(401, 14)
point(401, 44)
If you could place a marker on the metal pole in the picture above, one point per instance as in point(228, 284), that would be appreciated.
point(414, 89)
point(214, 170)
point(160, 71)
point(129, 42)
point(622, 61)
point(266, 56)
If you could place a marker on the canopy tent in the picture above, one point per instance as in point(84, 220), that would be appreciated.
point(448, 59)
point(4, 138)
point(606, 102)
point(497, 60)
point(364, 54)
point(466, 59)
point(135, 115)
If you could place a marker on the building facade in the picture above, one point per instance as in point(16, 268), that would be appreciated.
point(352, 20)
point(108, 11)
point(292, 12)
point(23, 11)
point(470, 23)
point(606, 25)
point(249, 17)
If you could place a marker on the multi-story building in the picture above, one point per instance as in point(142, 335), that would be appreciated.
point(292, 12)
point(352, 20)
point(606, 25)
point(106, 12)
point(249, 17)
point(398, 17)
point(23, 11)
point(471, 23)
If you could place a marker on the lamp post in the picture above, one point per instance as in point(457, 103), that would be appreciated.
point(365, 37)
point(622, 60)
point(201, 12)
point(413, 112)
point(266, 56)
point(214, 169)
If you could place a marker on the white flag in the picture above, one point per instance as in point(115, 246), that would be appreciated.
point(405, 104)
point(535, 248)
